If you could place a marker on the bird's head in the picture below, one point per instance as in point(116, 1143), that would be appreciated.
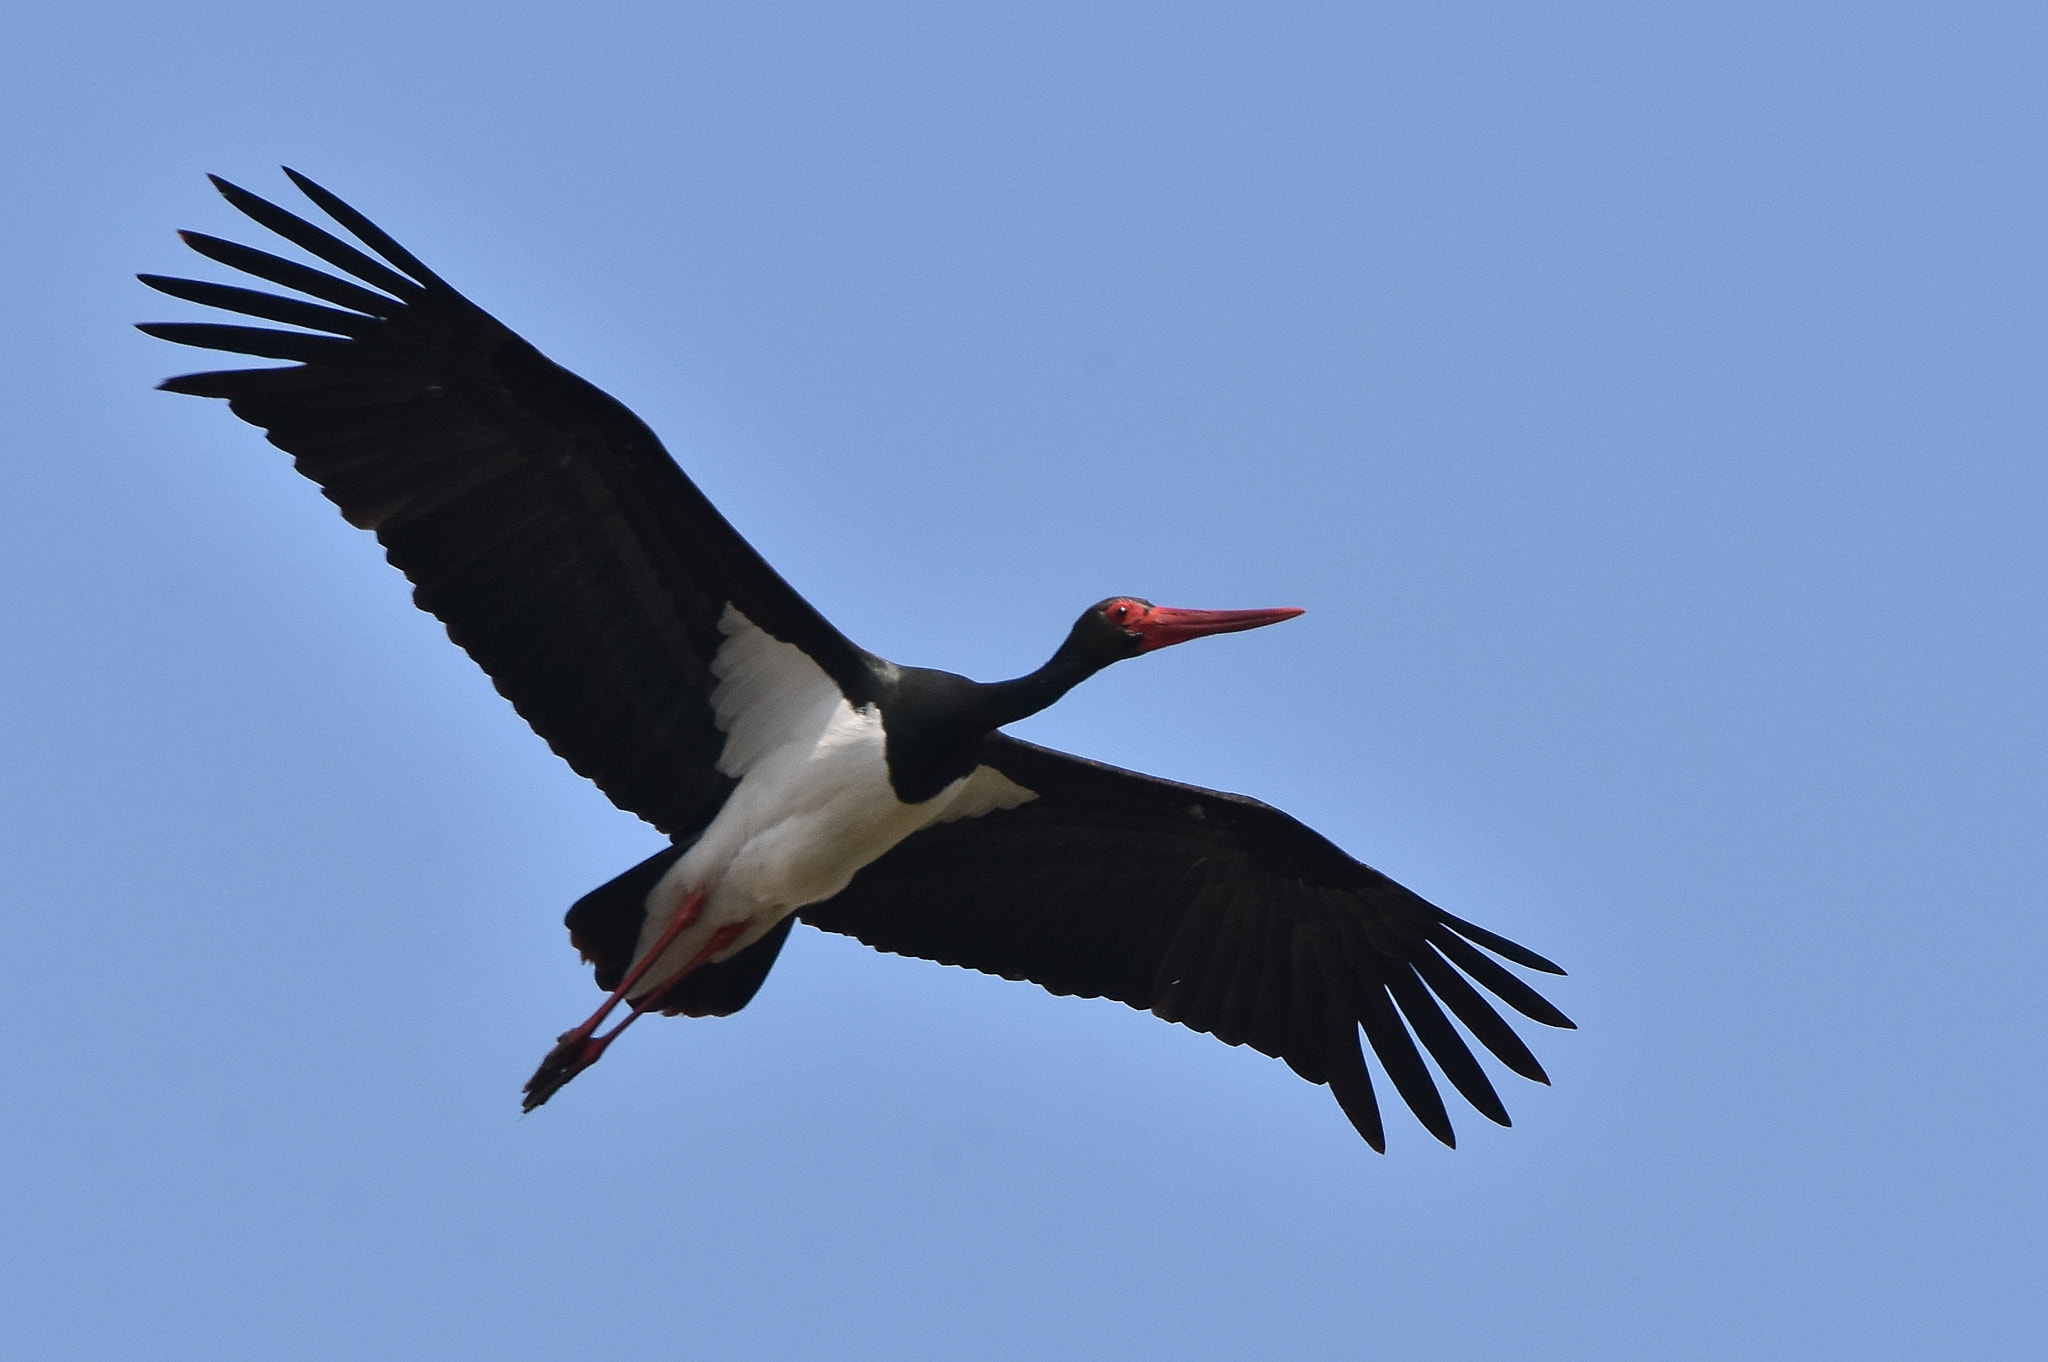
point(1108, 631)
point(1125, 626)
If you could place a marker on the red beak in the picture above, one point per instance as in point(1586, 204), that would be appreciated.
point(1162, 626)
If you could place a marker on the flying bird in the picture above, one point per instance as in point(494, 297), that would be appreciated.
point(795, 773)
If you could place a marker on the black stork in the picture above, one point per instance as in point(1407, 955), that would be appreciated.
point(794, 772)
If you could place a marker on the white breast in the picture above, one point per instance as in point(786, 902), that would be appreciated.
point(813, 804)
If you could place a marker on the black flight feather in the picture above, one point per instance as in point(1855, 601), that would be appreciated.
point(545, 526)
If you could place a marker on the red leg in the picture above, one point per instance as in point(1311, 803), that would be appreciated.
point(595, 1045)
point(578, 1049)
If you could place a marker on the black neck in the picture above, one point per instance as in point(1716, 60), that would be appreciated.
point(936, 721)
point(1004, 702)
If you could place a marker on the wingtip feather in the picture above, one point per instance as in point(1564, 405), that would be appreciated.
point(1507, 950)
point(317, 240)
point(364, 230)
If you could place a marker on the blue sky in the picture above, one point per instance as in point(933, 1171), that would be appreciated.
point(1645, 402)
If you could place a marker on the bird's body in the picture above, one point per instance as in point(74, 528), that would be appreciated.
point(795, 773)
point(814, 803)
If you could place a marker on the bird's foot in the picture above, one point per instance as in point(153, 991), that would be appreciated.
point(576, 1051)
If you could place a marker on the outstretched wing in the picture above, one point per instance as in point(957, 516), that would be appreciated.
point(1212, 910)
point(538, 518)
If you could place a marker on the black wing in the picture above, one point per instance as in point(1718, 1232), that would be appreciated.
point(538, 519)
point(1208, 909)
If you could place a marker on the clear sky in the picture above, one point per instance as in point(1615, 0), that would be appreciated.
point(1645, 401)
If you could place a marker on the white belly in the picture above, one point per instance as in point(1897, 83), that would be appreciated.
point(812, 807)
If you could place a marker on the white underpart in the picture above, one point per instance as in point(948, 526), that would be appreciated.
point(813, 804)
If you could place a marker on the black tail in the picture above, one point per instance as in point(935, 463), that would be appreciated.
point(604, 925)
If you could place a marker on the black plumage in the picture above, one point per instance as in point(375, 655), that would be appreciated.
point(1255, 928)
point(571, 557)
